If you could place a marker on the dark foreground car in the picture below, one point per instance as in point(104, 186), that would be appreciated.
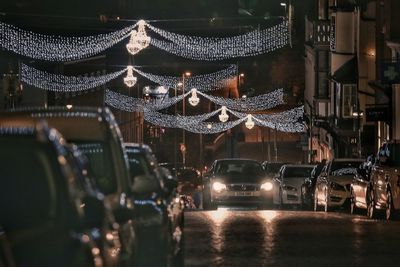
point(236, 181)
point(159, 209)
point(96, 133)
point(47, 217)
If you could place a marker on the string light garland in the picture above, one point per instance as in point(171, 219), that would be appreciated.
point(261, 102)
point(132, 104)
point(223, 117)
point(210, 49)
point(198, 124)
point(205, 82)
point(57, 48)
point(62, 83)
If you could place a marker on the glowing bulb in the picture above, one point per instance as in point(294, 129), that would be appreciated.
point(209, 126)
point(130, 80)
point(249, 123)
point(194, 99)
point(139, 39)
point(223, 117)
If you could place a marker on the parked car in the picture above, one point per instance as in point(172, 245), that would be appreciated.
point(159, 209)
point(96, 133)
point(332, 189)
point(308, 188)
point(384, 194)
point(361, 186)
point(236, 181)
point(47, 217)
point(288, 184)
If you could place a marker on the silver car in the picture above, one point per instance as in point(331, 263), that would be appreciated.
point(333, 185)
point(288, 184)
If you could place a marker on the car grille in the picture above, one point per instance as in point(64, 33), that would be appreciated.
point(242, 187)
point(336, 199)
point(292, 197)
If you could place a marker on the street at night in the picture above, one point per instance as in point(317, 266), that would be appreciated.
point(202, 133)
point(240, 237)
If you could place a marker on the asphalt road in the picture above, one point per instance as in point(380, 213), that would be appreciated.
point(246, 238)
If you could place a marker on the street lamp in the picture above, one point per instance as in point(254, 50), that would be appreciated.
point(187, 74)
point(284, 5)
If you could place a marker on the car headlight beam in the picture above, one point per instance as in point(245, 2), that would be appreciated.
point(218, 186)
point(267, 186)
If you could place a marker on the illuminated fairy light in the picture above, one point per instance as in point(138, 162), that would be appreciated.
point(249, 123)
point(130, 80)
point(62, 83)
point(205, 82)
point(207, 48)
point(261, 102)
point(139, 39)
point(198, 123)
point(194, 99)
point(132, 104)
point(223, 117)
point(57, 48)
point(291, 115)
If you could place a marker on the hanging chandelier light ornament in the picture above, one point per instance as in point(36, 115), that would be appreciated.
point(139, 39)
point(223, 117)
point(249, 123)
point(194, 99)
point(130, 80)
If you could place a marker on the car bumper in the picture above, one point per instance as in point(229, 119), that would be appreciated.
point(232, 197)
point(338, 198)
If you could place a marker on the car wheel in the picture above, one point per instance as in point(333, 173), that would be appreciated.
point(389, 206)
point(316, 207)
point(353, 207)
point(371, 209)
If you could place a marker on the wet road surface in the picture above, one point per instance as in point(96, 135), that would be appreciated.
point(229, 237)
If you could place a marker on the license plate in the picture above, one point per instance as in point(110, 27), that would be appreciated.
point(245, 194)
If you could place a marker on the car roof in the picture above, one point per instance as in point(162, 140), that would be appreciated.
point(348, 160)
point(81, 123)
point(299, 165)
point(236, 159)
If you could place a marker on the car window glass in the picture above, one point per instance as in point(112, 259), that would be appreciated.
point(138, 164)
point(295, 172)
point(100, 165)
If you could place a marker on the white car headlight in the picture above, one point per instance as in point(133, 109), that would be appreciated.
point(218, 187)
point(267, 186)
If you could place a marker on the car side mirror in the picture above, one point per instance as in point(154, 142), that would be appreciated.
point(123, 214)
point(94, 212)
point(143, 184)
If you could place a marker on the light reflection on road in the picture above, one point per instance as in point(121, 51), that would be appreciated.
point(232, 237)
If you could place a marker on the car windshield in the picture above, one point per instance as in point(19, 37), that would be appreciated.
point(27, 193)
point(239, 170)
point(296, 172)
point(342, 168)
point(138, 163)
point(100, 165)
